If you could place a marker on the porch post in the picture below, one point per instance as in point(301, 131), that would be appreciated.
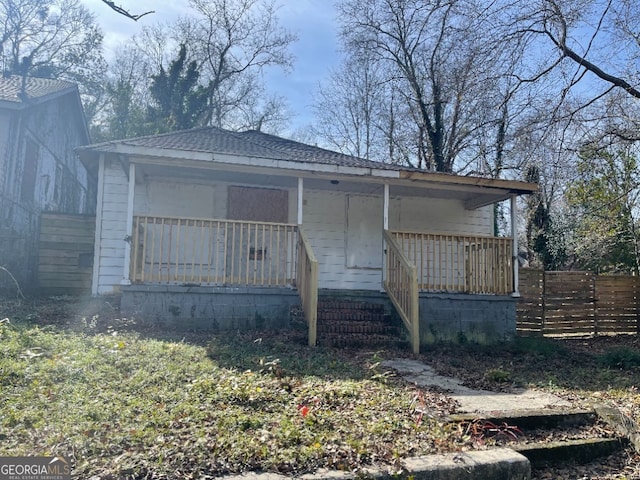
point(386, 207)
point(514, 235)
point(300, 199)
point(95, 280)
point(126, 280)
point(385, 226)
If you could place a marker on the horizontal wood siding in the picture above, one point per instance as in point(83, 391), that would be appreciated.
point(203, 251)
point(178, 198)
point(440, 215)
point(65, 254)
point(577, 304)
point(459, 263)
point(114, 228)
point(325, 222)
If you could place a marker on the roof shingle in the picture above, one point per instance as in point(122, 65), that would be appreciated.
point(249, 143)
point(16, 88)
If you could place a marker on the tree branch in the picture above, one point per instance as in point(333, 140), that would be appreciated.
point(124, 12)
point(581, 60)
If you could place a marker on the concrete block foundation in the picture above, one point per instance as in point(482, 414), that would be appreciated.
point(443, 317)
point(209, 308)
point(446, 317)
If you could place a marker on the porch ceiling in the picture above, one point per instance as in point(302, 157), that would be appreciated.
point(473, 196)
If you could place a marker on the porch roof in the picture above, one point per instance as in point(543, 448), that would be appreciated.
point(212, 147)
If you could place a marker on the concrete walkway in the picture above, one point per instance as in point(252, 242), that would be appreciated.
point(470, 400)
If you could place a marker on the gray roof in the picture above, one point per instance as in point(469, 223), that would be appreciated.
point(250, 143)
point(17, 89)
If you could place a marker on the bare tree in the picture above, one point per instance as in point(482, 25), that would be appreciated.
point(346, 107)
point(235, 41)
point(589, 48)
point(446, 61)
point(49, 38)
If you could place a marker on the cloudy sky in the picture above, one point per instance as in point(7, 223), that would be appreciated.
point(315, 52)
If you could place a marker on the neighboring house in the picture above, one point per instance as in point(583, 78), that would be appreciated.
point(41, 123)
point(213, 228)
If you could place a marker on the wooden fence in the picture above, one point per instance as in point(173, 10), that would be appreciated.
point(577, 304)
point(65, 249)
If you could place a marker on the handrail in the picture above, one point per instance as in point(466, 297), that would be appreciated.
point(307, 283)
point(174, 250)
point(401, 284)
point(448, 262)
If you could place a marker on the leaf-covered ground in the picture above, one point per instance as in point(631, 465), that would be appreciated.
point(120, 402)
point(125, 404)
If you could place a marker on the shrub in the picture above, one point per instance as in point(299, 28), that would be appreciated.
point(623, 358)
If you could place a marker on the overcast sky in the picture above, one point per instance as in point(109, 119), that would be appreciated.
point(315, 51)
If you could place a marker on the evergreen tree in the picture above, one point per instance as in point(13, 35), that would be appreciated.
point(179, 100)
point(545, 243)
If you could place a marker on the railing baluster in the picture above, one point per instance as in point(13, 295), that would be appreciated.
point(452, 262)
point(153, 249)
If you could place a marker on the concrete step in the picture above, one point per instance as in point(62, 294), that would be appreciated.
point(569, 451)
point(527, 425)
point(534, 419)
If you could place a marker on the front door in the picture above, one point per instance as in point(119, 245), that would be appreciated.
point(364, 232)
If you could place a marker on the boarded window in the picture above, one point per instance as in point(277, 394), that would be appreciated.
point(258, 204)
point(29, 172)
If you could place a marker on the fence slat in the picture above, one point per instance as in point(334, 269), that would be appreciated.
point(577, 303)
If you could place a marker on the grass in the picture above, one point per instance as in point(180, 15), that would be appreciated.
point(131, 406)
point(121, 403)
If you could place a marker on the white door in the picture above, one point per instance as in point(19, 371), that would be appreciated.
point(364, 231)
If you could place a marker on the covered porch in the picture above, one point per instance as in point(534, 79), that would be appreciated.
point(191, 252)
point(244, 227)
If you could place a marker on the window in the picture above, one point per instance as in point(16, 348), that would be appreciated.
point(29, 172)
point(258, 204)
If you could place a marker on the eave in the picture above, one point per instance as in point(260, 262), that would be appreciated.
point(474, 192)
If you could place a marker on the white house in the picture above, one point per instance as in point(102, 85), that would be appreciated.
point(208, 225)
point(41, 123)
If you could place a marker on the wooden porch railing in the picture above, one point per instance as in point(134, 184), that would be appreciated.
point(171, 250)
point(401, 284)
point(307, 283)
point(459, 263)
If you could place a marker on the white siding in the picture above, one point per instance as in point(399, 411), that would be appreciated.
point(325, 223)
point(208, 200)
point(114, 227)
point(439, 216)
